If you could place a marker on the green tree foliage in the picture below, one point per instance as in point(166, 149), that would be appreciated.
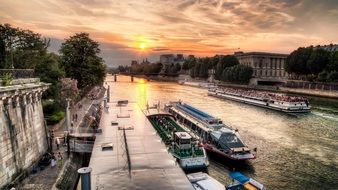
point(224, 62)
point(146, 68)
point(2, 51)
point(48, 70)
point(189, 63)
point(332, 76)
point(297, 60)
point(333, 62)
point(237, 73)
point(24, 47)
point(317, 61)
point(203, 70)
point(80, 60)
point(152, 68)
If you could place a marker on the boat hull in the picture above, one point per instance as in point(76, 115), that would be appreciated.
point(232, 157)
point(257, 103)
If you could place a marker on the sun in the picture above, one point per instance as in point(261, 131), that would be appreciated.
point(142, 46)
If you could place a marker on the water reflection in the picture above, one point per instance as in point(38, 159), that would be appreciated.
point(141, 93)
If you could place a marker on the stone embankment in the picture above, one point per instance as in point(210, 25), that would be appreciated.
point(22, 129)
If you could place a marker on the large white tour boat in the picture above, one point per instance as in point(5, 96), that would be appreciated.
point(275, 101)
point(213, 134)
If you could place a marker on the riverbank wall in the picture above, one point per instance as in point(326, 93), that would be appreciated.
point(23, 137)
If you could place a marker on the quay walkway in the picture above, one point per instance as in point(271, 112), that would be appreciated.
point(137, 158)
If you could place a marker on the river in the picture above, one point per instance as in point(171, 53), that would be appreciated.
point(294, 151)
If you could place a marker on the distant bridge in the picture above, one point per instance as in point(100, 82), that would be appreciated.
point(147, 76)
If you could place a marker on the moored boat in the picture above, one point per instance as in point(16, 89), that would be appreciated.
point(274, 101)
point(181, 145)
point(202, 181)
point(214, 135)
point(242, 182)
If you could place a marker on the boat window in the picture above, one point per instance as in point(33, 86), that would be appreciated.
point(185, 141)
point(220, 122)
point(230, 140)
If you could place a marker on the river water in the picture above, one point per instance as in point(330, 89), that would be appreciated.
point(294, 151)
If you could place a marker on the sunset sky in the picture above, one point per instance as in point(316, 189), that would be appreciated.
point(135, 29)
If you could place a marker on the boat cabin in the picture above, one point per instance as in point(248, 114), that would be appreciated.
point(182, 140)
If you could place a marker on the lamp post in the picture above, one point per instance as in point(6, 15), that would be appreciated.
point(67, 126)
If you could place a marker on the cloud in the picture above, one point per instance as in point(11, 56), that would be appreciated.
point(201, 27)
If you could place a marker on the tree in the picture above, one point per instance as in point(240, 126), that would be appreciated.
point(2, 51)
point(22, 47)
point(80, 60)
point(318, 60)
point(203, 70)
point(68, 89)
point(332, 76)
point(224, 62)
point(296, 62)
point(49, 70)
point(237, 73)
point(333, 62)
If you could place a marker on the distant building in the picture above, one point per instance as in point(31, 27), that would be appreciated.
point(330, 47)
point(167, 59)
point(134, 62)
point(145, 62)
point(170, 59)
point(265, 65)
point(191, 56)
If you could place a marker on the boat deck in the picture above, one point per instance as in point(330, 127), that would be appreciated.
point(138, 160)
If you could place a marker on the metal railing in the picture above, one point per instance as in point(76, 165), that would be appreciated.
point(17, 73)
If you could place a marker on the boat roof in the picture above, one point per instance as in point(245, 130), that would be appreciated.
point(203, 181)
point(195, 112)
point(238, 176)
point(183, 135)
point(192, 119)
point(146, 164)
point(248, 183)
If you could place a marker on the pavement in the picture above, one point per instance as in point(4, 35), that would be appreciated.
point(46, 178)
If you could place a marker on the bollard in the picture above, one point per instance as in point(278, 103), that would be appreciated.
point(115, 78)
point(132, 78)
point(85, 177)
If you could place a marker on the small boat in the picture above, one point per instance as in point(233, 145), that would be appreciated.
point(214, 135)
point(181, 145)
point(202, 181)
point(241, 182)
point(274, 101)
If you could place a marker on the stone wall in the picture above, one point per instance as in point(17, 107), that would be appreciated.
point(22, 131)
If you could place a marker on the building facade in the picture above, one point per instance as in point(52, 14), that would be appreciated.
point(167, 59)
point(265, 65)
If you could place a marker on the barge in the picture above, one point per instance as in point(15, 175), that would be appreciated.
point(274, 101)
point(181, 145)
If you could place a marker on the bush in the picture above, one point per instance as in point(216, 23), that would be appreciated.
point(56, 117)
point(322, 76)
point(52, 111)
point(50, 107)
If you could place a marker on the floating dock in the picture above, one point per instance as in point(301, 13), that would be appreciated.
point(129, 154)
